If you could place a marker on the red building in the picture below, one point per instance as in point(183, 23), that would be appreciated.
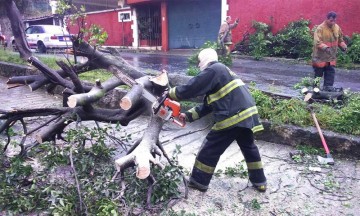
point(175, 24)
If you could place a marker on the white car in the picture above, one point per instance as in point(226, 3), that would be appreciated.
point(43, 37)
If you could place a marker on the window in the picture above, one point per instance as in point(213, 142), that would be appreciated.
point(124, 16)
point(29, 30)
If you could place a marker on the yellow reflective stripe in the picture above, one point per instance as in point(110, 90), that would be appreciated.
point(194, 114)
point(231, 72)
point(172, 93)
point(204, 168)
point(254, 165)
point(235, 118)
point(257, 128)
point(225, 90)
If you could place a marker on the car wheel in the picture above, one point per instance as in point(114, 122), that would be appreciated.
point(41, 47)
point(15, 49)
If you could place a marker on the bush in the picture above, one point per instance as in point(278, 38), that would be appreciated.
point(259, 41)
point(354, 48)
point(294, 41)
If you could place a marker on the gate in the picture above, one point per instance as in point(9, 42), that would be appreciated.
point(149, 25)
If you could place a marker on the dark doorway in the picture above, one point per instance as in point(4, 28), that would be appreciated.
point(149, 25)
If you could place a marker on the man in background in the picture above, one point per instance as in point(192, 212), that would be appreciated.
point(225, 38)
point(327, 38)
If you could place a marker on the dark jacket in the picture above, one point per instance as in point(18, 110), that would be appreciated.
point(226, 96)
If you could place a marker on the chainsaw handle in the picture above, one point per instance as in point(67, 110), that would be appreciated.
point(180, 123)
point(174, 105)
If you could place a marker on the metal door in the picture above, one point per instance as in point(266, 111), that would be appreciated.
point(193, 22)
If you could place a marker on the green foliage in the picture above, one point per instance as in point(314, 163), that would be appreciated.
point(186, 105)
point(308, 82)
point(7, 56)
point(342, 119)
point(265, 104)
point(107, 207)
point(94, 34)
point(347, 119)
point(308, 150)
point(193, 71)
point(259, 40)
point(354, 48)
point(238, 171)
point(97, 35)
point(255, 204)
point(16, 182)
point(291, 111)
point(52, 189)
point(344, 60)
point(294, 41)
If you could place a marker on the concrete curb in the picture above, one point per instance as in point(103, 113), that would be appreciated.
point(281, 134)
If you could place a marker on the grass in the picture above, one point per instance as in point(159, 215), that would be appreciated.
point(50, 61)
point(92, 76)
point(344, 119)
point(10, 57)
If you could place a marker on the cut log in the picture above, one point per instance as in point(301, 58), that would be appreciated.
point(162, 79)
point(141, 156)
point(132, 97)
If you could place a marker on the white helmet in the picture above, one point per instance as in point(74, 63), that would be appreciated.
point(206, 56)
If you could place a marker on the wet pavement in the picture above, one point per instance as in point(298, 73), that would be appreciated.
point(273, 76)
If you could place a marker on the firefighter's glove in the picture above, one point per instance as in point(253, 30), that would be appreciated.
point(327, 50)
point(183, 117)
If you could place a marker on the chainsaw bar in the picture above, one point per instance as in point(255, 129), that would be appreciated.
point(131, 82)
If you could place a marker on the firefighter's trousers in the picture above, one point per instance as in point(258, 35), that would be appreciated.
point(329, 75)
point(213, 147)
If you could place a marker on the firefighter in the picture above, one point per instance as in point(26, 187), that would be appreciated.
point(224, 36)
point(235, 115)
point(327, 38)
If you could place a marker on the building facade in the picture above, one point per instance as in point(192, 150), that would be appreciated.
point(188, 24)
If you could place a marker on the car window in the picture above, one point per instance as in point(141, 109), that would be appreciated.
point(38, 30)
point(29, 30)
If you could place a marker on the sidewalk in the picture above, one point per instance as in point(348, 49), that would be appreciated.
point(23, 98)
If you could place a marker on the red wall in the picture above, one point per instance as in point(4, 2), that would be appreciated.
point(285, 11)
point(109, 22)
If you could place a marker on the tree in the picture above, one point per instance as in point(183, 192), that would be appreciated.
point(80, 98)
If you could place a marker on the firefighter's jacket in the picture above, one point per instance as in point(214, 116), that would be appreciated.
point(226, 96)
point(325, 37)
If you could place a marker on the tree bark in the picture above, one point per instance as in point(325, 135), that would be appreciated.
point(17, 27)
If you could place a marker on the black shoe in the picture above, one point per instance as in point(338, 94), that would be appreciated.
point(329, 89)
point(197, 186)
point(260, 187)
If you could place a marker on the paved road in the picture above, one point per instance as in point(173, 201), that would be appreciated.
point(268, 75)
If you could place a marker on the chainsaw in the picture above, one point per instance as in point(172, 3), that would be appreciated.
point(164, 107)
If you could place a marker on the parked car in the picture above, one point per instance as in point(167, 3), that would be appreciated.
point(44, 37)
